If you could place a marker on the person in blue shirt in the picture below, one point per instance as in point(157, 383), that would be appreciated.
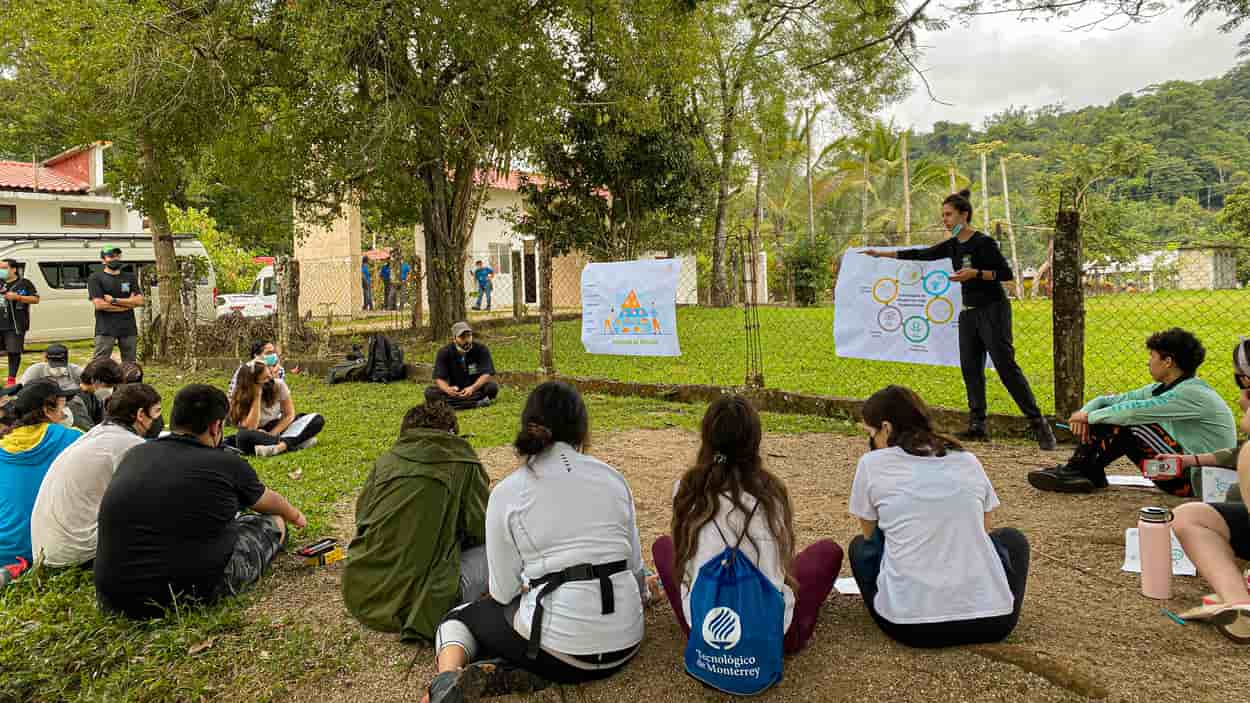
point(484, 275)
point(404, 270)
point(388, 290)
point(366, 283)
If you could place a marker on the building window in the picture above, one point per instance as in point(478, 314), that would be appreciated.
point(80, 217)
point(8, 214)
point(501, 258)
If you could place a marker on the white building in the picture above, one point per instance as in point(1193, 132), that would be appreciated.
point(63, 194)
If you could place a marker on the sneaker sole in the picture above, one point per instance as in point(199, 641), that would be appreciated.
point(1047, 482)
point(488, 680)
point(1222, 623)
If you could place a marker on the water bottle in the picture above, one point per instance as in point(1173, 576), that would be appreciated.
point(1154, 537)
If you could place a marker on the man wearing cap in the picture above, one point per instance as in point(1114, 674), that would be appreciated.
point(56, 366)
point(19, 294)
point(115, 295)
point(26, 452)
point(463, 372)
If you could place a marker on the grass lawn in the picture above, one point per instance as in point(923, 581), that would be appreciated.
point(56, 646)
point(799, 353)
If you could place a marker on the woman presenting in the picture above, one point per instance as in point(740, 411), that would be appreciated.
point(985, 320)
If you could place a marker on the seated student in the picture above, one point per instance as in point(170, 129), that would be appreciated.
point(1215, 536)
point(931, 572)
point(566, 571)
point(26, 452)
point(98, 380)
point(55, 365)
point(66, 513)
point(265, 352)
point(714, 501)
point(420, 537)
point(262, 409)
point(168, 527)
point(1177, 414)
point(464, 374)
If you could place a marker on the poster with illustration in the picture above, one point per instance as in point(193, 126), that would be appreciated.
point(892, 310)
point(629, 308)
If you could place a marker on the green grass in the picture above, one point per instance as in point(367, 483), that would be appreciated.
point(799, 354)
point(56, 646)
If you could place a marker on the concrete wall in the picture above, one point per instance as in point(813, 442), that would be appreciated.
point(1213, 268)
point(39, 213)
point(329, 258)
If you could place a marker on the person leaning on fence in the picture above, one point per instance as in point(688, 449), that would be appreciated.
point(1178, 413)
point(726, 494)
point(262, 408)
point(26, 453)
point(115, 295)
point(66, 515)
point(17, 294)
point(419, 547)
point(984, 320)
point(931, 572)
point(56, 366)
point(464, 373)
point(567, 581)
point(99, 379)
point(170, 524)
point(265, 352)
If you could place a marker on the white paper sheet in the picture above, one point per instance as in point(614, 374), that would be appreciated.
point(629, 308)
point(1131, 481)
point(1215, 483)
point(1181, 565)
point(846, 586)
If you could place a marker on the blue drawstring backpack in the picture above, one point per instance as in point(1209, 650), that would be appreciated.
point(736, 616)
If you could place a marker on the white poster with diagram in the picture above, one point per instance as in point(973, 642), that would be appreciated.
point(629, 308)
point(892, 310)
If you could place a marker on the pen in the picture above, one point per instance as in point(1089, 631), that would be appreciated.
point(1062, 426)
point(1174, 617)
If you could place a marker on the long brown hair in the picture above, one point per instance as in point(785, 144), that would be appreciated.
point(911, 426)
point(729, 463)
point(249, 378)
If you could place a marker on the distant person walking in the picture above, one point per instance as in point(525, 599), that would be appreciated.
point(485, 276)
point(115, 294)
point(985, 320)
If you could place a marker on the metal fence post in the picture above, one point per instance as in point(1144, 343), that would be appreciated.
point(1069, 314)
point(518, 292)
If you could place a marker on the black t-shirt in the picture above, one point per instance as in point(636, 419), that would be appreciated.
point(15, 315)
point(979, 252)
point(166, 522)
point(462, 370)
point(122, 285)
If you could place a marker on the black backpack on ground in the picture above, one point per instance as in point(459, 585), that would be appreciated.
point(349, 370)
point(386, 360)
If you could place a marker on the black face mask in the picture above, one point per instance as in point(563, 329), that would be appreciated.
point(155, 429)
point(113, 265)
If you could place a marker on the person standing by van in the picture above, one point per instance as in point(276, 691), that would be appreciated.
point(19, 294)
point(115, 295)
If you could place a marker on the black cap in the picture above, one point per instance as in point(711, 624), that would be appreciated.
point(57, 355)
point(36, 394)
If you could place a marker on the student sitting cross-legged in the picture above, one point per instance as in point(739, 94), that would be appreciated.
point(566, 571)
point(931, 572)
point(262, 409)
point(420, 529)
point(728, 499)
point(1176, 414)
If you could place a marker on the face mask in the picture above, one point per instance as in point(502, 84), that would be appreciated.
point(464, 348)
point(113, 265)
point(67, 418)
point(4, 273)
point(102, 394)
point(957, 229)
point(270, 359)
point(155, 428)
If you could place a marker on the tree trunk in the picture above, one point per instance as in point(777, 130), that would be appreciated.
point(906, 191)
point(167, 279)
point(754, 245)
point(728, 146)
point(985, 194)
point(811, 203)
point(445, 254)
point(951, 171)
point(1011, 234)
point(546, 355)
point(1069, 315)
point(518, 294)
point(415, 278)
point(863, 198)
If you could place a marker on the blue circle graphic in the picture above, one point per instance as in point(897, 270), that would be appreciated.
point(936, 282)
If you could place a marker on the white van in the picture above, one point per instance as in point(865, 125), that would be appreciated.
point(59, 264)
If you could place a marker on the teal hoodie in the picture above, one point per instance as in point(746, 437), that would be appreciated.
point(1191, 411)
point(21, 474)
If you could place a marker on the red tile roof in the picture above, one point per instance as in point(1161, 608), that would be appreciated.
point(18, 175)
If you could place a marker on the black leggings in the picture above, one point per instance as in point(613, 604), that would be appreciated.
point(15, 362)
point(490, 623)
point(247, 440)
point(1013, 550)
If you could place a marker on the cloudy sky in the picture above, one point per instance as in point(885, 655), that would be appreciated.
point(999, 61)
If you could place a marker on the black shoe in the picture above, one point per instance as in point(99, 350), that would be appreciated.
point(484, 403)
point(1061, 479)
point(1045, 436)
point(976, 432)
point(484, 679)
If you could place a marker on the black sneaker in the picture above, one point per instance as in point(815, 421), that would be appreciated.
point(1061, 479)
point(976, 432)
point(484, 679)
point(1045, 436)
point(484, 403)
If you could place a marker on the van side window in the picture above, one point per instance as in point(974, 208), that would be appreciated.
point(72, 275)
point(271, 286)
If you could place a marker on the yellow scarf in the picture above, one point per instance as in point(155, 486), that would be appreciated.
point(23, 438)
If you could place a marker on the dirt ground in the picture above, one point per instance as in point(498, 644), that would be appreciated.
point(1082, 634)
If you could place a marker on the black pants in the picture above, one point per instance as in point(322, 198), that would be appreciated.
point(987, 329)
point(247, 440)
point(491, 625)
point(1137, 442)
point(490, 390)
point(1013, 550)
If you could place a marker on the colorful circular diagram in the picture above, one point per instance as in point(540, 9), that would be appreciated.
point(939, 310)
point(909, 273)
point(916, 329)
point(936, 282)
point(885, 290)
point(890, 318)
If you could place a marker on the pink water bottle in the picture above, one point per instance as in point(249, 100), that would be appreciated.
point(1154, 537)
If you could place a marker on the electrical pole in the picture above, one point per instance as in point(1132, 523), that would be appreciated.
point(906, 191)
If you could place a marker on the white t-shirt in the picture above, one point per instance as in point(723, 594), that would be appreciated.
point(63, 524)
point(269, 413)
point(767, 558)
point(568, 509)
point(939, 562)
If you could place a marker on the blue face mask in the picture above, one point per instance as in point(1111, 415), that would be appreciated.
point(270, 359)
point(957, 229)
point(4, 273)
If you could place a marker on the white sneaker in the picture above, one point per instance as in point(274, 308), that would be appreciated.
point(269, 449)
point(308, 443)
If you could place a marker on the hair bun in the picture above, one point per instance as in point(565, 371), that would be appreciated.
point(532, 439)
point(965, 193)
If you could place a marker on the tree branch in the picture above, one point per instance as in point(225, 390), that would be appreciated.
point(892, 36)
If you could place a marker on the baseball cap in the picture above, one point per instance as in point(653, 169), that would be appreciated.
point(460, 328)
point(111, 250)
point(1241, 357)
point(57, 355)
point(37, 393)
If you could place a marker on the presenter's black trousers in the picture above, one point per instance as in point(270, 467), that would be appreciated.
point(986, 329)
